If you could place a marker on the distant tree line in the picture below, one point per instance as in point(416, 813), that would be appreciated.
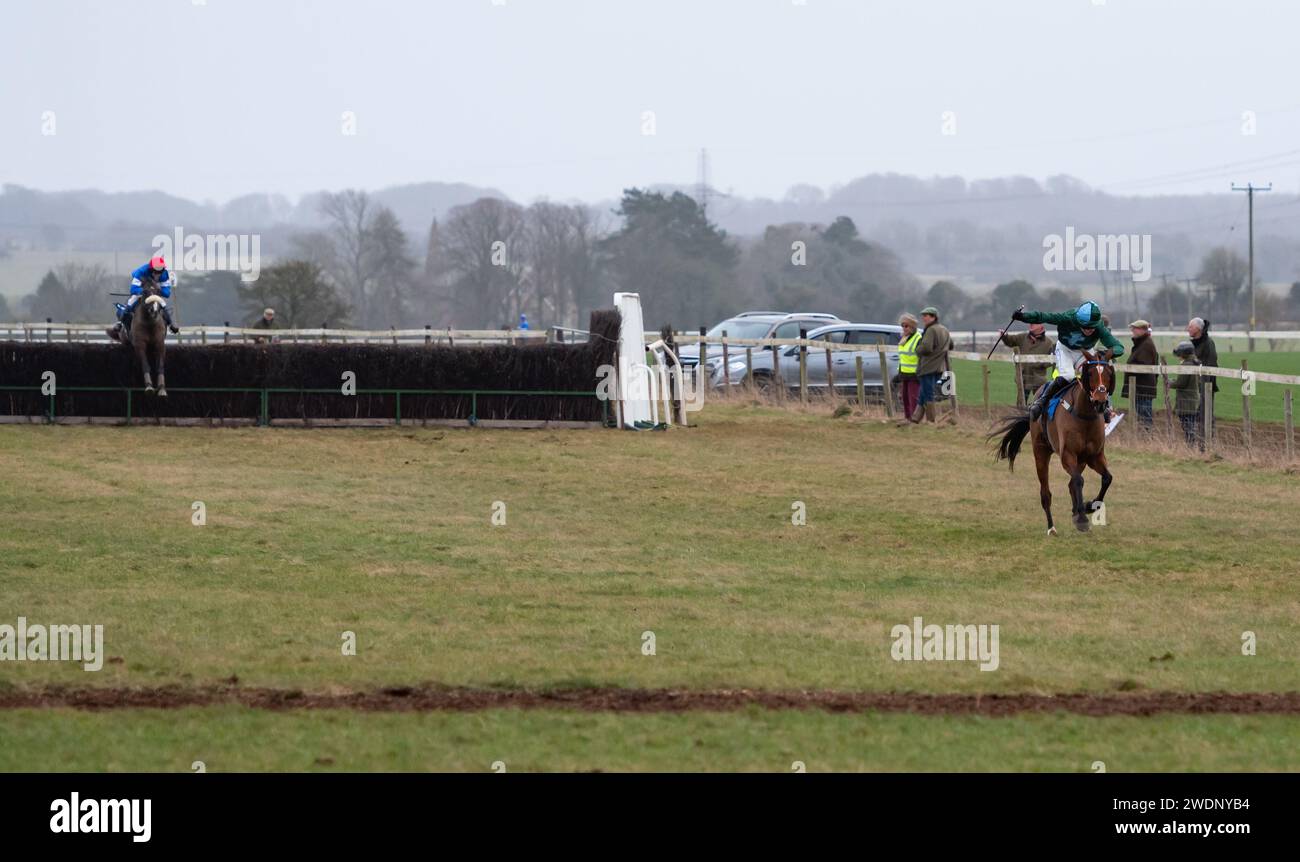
point(490, 261)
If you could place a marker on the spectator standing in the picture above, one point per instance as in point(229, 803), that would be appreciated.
point(1035, 342)
point(931, 361)
point(1198, 330)
point(909, 386)
point(266, 321)
point(1187, 399)
point(1140, 389)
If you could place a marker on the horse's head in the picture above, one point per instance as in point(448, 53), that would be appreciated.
point(1098, 377)
point(150, 297)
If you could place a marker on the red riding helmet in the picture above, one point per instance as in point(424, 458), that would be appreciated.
point(158, 262)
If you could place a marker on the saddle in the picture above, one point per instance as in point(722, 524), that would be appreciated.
point(1056, 400)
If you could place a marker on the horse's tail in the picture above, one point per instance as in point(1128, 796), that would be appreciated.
point(1013, 429)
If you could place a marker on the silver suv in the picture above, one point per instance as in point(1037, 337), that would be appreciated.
point(844, 368)
point(753, 324)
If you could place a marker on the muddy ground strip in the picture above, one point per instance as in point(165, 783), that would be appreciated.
point(434, 698)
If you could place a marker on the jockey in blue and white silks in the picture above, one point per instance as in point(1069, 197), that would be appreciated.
point(156, 268)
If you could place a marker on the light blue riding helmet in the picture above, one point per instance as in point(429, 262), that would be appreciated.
point(1088, 314)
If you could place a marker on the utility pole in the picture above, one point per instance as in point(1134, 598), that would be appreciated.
point(1169, 305)
point(1250, 209)
point(1190, 315)
point(702, 189)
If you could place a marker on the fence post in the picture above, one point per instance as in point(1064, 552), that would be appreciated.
point(776, 374)
point(1290, 426)
point(887, 391)
point(1246, 430)
point(1169, 407)
point(67, 333)
point(48, 321)
point(862, 386)
point(988, 411)
point(726, 364)
point(830, 375)
point(973, 349)
point(225, 336)
point(1207, 416)
point(803, 367)
point(203, 334)
point(704, 355)
point(749, 368)
point(1020, 380)
point(955, 414)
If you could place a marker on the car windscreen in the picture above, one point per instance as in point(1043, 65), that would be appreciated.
point(737, 328)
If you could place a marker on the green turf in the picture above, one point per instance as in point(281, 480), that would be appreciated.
point(388, 534)
point(1266, 405)
point(232, 739)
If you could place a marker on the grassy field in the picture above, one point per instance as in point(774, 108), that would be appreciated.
point(687, 534)
point(1265, 407)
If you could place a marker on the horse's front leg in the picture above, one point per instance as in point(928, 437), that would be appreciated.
point(1099, 464)
point(142, 355)
point(162, 379)
point(1074, 468)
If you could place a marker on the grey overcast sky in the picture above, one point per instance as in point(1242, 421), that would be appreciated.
point(545, 98)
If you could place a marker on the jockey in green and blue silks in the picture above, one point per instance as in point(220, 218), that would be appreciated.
point(1077, 330)
point(156, 268)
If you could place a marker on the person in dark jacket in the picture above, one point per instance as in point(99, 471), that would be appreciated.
point(1187, 396)
point(1198, 330)
point(1140, 389)
point(931, 361)
point(1035, 342)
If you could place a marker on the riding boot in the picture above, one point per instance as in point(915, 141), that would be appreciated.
point(167, 317)
point(1036, 409)
point(124, 325)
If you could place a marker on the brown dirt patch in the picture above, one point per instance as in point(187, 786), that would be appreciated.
point(430, 698)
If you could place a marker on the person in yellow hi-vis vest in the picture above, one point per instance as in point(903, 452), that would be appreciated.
point(909, 387)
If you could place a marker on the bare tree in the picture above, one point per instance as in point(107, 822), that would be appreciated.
point(484, 250)
point(349, 235)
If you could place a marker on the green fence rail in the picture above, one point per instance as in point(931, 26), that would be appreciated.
point(265, 394)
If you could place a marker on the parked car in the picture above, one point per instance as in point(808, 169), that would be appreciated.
point(754, 324)
point(843, 362)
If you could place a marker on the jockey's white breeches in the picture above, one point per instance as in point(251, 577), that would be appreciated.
point(1067, 360)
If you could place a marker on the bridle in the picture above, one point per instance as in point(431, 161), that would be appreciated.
point(1101, 394)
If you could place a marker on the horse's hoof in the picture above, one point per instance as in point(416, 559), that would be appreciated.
point(1051, 531)
point(148, 390)
point(1082, 526)
point(162, 393)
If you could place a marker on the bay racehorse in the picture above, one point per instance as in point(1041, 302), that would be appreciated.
point(1075, 432)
